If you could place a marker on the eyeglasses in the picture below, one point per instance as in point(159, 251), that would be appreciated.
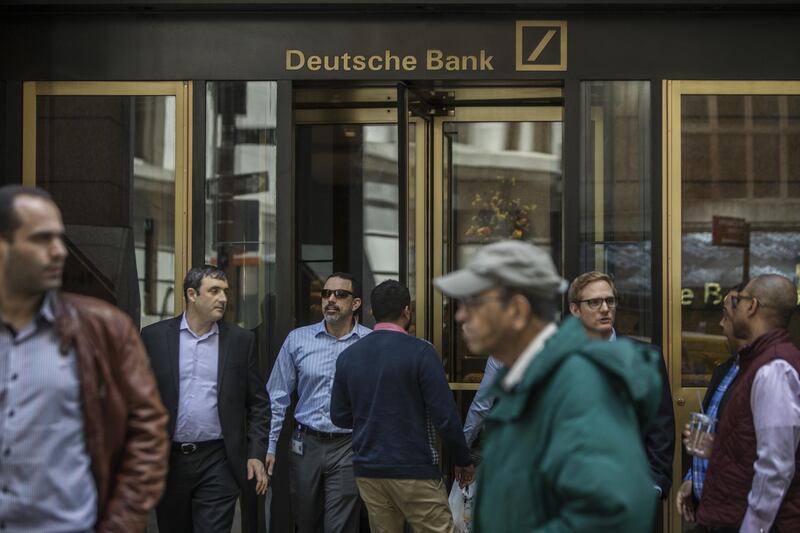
point(596, 303)
point(340, 294)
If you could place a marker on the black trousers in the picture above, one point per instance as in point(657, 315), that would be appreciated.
point(201, 492)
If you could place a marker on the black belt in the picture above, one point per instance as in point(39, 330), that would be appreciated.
point(321, 434)
point(188, 448)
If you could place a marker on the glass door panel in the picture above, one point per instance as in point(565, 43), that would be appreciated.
point(501, 175)
point(348, 215)
point(733, 194)
point(111, 159)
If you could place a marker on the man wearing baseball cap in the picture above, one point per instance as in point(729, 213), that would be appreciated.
point(563, 449)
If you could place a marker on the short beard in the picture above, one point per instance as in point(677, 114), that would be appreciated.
point(338, 318)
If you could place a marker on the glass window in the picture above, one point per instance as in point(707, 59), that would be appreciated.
point(615, 205)
point(739, 209)
point(241, 199)
point(109, 162)
point(504, 183)
point(347, 209)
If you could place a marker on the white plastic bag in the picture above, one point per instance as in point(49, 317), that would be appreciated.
point(461, 506)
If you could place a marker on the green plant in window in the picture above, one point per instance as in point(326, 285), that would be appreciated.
point(498, 213)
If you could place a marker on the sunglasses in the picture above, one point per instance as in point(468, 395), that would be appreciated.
point(596, 303)
point(340, 294)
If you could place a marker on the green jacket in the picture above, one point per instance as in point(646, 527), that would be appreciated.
point(563, 450)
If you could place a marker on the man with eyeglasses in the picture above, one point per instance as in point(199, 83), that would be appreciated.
point(751, 482)
point(562, 449)
point(593, 300)
point(323, 489)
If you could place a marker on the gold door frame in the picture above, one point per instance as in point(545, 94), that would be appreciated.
point(182, 91)
point(440, 206)
point(686, 398)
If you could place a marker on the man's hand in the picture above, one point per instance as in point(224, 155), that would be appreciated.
point(684, 501)
point(464, 475)
point(269, 462)
point(256, 468)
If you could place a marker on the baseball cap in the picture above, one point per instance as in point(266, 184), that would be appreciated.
point(512, 264)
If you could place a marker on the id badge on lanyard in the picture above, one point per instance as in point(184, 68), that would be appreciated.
point(297, 442)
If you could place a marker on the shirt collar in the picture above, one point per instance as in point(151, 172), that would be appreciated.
point(46, 314)
point(613, 336)
point(185, 326)
point(389, 326)
point(517, 370)
point(46, 310)
point(320, 329)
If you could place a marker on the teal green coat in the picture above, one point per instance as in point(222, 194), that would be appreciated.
point(563, 450)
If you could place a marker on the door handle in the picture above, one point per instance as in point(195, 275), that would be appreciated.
point(681, 402)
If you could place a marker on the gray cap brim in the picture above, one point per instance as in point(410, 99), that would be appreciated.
point(463, 283)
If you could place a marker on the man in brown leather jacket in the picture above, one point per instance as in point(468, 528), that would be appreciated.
point(83, 443)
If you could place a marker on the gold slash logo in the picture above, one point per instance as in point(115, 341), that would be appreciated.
point(541, 45)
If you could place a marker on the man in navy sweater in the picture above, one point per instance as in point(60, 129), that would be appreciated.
point(391, 389)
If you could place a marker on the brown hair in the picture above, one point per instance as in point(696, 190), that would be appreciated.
point(580, 283)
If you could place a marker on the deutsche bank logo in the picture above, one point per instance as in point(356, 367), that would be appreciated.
point(541, 45)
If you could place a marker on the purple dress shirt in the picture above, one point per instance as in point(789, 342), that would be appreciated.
point(198, 417)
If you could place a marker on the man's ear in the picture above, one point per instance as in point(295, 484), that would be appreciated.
point(191, 294)
point(753, 306)
point(356, 304)
point(574, 309)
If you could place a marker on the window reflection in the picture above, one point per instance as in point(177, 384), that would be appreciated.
point(109, 162)
point(347, 209)
point(739, 160)
point(615, 205)
point(241, 199)
point(505, 179)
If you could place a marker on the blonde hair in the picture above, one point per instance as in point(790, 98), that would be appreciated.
point(580, 283)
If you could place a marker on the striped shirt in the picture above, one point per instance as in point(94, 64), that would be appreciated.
point(481, 405)
point(307, 363)
point(46, 482)
point(699, 465)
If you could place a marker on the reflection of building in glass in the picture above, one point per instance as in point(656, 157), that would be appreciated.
point(154, 205)
point(740, 158)
point(506, 180)
point(615, 215)
point(240, 193)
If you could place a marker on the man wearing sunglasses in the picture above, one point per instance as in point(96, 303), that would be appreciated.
point(322, 485)
point(593, 300)
point(752, 482)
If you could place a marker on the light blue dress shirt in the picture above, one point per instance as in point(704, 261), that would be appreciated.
point(480, 405)
point(307, 362)
point(198, 416)
point(46, 481)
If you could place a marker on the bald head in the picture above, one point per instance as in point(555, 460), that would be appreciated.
point(777, 297)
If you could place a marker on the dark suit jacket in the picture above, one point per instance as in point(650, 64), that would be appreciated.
point(241, 395)
point(659, 439)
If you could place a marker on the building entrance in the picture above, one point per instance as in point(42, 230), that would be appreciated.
point(407, 182)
